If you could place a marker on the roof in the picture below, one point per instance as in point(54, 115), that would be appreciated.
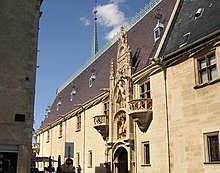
point(141, 42)
point(196, 17)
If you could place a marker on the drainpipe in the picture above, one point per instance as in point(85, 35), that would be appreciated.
point(84, 138)
point(164, 70)
point(65, 139)
point(135, 128)
point(167, 118)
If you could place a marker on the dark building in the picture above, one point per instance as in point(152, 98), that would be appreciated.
point(19, 21)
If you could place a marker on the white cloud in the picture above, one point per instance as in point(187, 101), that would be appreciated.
point(112, 33)
point(85, 21)
point(110, 16)
point(117, 1)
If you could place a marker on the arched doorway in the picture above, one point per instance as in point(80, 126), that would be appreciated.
point(121, 156)
point(123, 162)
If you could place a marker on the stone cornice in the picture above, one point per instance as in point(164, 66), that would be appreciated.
point(74, 112)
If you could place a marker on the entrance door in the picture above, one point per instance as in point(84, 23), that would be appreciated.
point(8, 162)
point(123, 162)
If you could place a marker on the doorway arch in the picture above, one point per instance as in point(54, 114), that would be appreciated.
point(121, 160)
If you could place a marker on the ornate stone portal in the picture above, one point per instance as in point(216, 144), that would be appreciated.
point(120, 123)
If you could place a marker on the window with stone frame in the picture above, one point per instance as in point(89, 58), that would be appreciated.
point(61, 130)
point(48, 135)
point(78, 122)
point(145, 90)
point(146, 153)
point(106, 108)
point(90, 158)
point(207, 69)
point(212, 147)
point(78, 158)
point(38, 138)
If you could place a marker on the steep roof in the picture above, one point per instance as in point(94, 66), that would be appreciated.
point(196, 18)
point(141, 42)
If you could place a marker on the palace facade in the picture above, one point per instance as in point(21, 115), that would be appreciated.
point(149, 102)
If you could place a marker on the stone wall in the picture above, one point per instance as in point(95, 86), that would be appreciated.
point(18, 53)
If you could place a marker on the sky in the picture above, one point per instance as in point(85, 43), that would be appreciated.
point(65, 40)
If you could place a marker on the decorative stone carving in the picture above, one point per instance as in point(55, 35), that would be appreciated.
point(101, 124)
point(123, 41)
point(36, 148)
point(122, 127)
point(141, 112)
point(120, 120)
point(121, 94)
point(123, 55)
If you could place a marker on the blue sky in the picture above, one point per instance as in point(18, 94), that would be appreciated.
point(65, 40)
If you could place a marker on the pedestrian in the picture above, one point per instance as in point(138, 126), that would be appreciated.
point(79, 169)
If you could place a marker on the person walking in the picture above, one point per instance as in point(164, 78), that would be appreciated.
point(79, 169)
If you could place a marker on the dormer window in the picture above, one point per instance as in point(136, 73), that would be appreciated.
point(184, 39)
point(158, 31)
point(73, 92)
point(48, 110)
point(59, 103)
point(199, 13)
point(92, 78)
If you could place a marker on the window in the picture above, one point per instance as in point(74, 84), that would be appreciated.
point(59, 104)
point(184, 39)
point(90, 158)
point(78, 158)
point(106, 108)
point(48, 135)
point(61, 130)
point(91, 80)
point(78, 123)
point(146, 153)
point(199, 13)
point(20, 117)
point(38, 138)
point(145, 90)
point(48, 110)
point(212, 147)
point(8, 162)
point(73, 92)
point(69, 149)
point(158, 31)
point(207, 68)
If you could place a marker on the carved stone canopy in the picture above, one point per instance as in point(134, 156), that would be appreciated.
point(123, 55)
